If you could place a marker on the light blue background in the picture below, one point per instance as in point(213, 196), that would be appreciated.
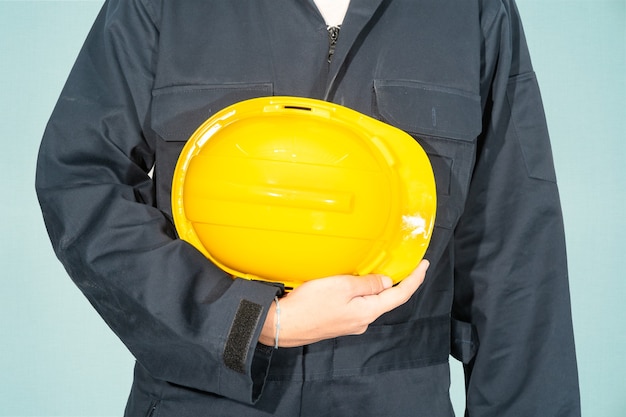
point(57, 358)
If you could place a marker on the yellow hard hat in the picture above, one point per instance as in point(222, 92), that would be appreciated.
point(290, 189)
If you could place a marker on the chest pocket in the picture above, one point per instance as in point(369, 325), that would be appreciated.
point(446, 123)
point(178, 111)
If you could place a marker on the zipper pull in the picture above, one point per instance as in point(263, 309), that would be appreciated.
point(333, 35)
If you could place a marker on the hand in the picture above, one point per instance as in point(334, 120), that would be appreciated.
point(337, 306)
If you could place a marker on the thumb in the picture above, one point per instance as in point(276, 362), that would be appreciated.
point(405, 289)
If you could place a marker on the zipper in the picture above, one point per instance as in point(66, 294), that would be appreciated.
point(333, 35)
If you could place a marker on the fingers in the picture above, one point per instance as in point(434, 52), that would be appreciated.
point(371, 284)
point(393, 297)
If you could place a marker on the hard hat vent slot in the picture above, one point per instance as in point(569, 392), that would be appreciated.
point(298, 108)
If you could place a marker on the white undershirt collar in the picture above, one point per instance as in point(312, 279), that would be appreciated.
point(333, 11)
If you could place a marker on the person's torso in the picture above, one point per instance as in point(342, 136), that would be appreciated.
point(413, 64)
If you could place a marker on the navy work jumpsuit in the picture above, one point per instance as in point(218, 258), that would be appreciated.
point(455, 74)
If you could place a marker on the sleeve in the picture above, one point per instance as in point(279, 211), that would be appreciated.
point(511, 278)
point(182, 318)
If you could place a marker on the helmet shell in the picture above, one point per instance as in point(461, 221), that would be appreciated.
point(289, 189)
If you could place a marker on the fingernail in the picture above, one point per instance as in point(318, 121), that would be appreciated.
point(387, 282)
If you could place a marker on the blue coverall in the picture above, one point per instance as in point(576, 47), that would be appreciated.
point(455, 74)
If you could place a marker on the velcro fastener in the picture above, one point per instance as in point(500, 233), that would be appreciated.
point(240, 335)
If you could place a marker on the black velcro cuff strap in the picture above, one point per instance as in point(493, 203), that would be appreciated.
point(241, 334)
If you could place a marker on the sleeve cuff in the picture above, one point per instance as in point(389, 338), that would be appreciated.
point(245, 361)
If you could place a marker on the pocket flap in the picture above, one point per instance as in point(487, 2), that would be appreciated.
point(429, 109)
point(178, 111)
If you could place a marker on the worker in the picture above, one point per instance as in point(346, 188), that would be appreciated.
point(455, 75)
